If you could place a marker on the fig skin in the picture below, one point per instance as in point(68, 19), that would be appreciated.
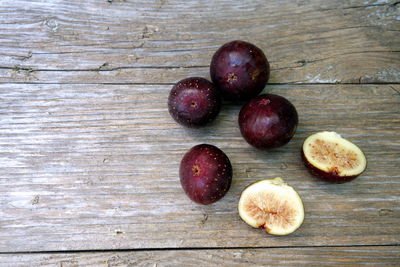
point(194, 102)
point(268, 121)
point(205, 174)
point(240, 70)
point(332, 158)
point(330, 177)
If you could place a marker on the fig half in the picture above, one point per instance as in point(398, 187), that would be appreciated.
point(332, 158)
point(271, 205)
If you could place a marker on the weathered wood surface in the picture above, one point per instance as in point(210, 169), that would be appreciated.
point(96, 167)
point(323, 256)
point(162, 41)
point(89, 155)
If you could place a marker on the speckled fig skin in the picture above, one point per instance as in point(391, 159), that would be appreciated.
point(268, 121)
point(331, 177)
point(194, 102)
point(240, 70)
point(205, 174)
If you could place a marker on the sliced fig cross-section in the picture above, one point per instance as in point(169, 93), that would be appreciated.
point(333, 158)
point(272, 205)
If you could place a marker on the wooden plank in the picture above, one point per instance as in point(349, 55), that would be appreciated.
point(163, 41)
point(318, 256)
point(96, 167)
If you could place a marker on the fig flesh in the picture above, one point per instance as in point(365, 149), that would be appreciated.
point(272, 205)
point(332, 158)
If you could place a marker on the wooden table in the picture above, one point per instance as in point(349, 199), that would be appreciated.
point(89, 154)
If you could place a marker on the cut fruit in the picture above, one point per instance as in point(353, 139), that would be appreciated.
point(272, 205)
point(333, 158)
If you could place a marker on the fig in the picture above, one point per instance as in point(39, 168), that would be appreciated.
point(268, 121)
point(240, 70)
point(205, 174)
point(271, 205)
point(194, 102)
point(332, 158)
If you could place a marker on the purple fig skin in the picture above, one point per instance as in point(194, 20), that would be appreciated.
point(331, 177)
point(194, 102)
point(205, 174)
point(268, 121)
point(240, 70)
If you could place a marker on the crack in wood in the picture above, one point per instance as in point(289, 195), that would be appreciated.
point(23, 58)
point(397, 91)
point(361, 6)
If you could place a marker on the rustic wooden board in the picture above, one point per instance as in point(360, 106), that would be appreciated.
point(89, 155)
point(323, 256)
point(96, 167)
point(163, 41)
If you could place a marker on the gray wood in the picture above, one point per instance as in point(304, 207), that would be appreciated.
point(163, 41)
point(89, 155)
point(96, 167)
point(337, 256)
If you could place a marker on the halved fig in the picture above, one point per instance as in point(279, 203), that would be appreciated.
point(332, 158)
point(271, 205)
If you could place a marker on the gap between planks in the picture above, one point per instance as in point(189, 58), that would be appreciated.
point(189, 248)
point(126, 83)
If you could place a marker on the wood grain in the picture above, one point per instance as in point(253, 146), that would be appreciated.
point(163, 41)
point(96, 167)
point(89, 155)
point(336, 256)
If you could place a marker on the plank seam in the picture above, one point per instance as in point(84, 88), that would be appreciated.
point(191, 248)
point(172, 83)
